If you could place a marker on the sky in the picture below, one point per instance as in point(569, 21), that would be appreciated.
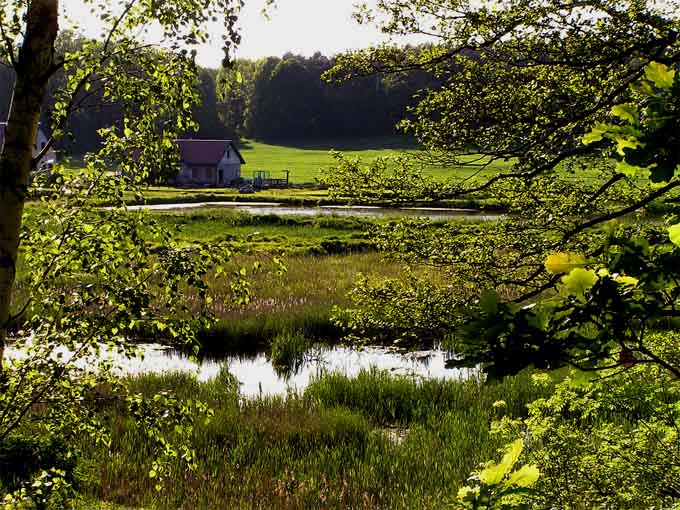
point(303, 27)
point(297, 26)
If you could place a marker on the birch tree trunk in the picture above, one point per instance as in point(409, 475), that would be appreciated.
point(34, 66)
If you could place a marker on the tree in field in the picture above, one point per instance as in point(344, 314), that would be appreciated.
point(567, 114)
point(207, 114)
point(76, 279)
point(522, 84)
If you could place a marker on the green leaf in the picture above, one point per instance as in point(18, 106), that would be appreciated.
point(579, 280)
point(494, 474)
point(627, 112)
point(630, 170)
point(526, 476)
point(674, 234)
point(468, 493)
point(624, 142)
point(596, 134)
point(660, 74)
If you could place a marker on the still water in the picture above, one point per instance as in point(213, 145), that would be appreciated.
point(258, 376)
point(433, 213)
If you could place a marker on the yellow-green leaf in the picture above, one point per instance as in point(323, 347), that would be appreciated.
point(562, 262)
point(674, 233)
point(627, 280)
point(468, 493)
point(596, 134)
point(660, 74)
point(626, 142)
point(494, 474)
point(630, 170)
point(626, 112)
point(579, 280)
point(526, 476)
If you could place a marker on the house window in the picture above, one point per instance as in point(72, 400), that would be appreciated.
point(196, 174)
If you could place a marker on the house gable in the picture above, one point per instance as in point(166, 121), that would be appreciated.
point(207, 152)
point(209, 162)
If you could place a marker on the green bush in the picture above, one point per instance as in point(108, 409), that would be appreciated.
point(22, 457)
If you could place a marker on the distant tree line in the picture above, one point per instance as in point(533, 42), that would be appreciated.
point(272, 98)
point(287, 98)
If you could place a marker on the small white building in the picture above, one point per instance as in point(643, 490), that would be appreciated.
point(208, 163)
point(50, 158)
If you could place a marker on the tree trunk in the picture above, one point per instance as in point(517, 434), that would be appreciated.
point(33, 67)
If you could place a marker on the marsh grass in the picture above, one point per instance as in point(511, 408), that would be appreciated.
point(401, 399)
point(212, 224)
point(318, 450)
point(301, 300)
point(288, 351)
point(322, 257)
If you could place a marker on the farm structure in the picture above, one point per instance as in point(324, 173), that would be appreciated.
point(50, 157)
point(263, 180)
point(209, 163)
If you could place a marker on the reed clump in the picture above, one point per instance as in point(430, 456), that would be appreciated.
point(330, 447)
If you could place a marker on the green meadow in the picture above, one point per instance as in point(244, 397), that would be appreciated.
point(305, 160)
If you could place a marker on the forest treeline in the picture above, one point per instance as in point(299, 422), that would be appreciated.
point(287, 98)
point(271, 98)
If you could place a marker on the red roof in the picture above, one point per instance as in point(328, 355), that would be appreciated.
point(205, 152)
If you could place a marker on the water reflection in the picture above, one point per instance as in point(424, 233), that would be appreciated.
point(261, 208)
point(258, 376)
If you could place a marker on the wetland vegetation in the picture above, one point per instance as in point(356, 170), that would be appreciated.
point(374, 441)
point(559, 317)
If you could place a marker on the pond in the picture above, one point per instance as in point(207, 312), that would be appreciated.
point(260, 208)
point(258, 376)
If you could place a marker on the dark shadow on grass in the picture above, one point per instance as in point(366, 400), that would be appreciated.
point(395, 142)
point(244, 145)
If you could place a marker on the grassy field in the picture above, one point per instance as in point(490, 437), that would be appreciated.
point(305, 159)
point(336, 446)
point(316, 235)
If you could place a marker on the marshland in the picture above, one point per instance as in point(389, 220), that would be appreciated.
point(428, 257)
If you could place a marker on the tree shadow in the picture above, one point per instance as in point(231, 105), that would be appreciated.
point(341, 143)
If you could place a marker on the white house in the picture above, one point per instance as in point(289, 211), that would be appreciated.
point(209, 163)
point(50, 157)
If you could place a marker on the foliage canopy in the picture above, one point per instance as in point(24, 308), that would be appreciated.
point(87, 280)
point(548, 86)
